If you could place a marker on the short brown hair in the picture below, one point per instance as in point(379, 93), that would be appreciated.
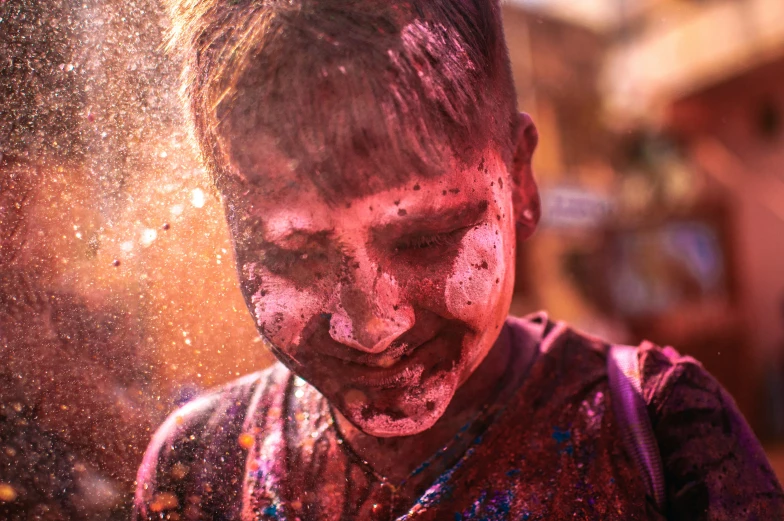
point(387, 82)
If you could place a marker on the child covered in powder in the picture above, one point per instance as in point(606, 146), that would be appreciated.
point(376, 175)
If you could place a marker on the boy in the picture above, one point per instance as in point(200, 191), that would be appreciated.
point(376, 175)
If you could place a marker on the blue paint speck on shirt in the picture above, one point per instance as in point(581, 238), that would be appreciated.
point(561, 436)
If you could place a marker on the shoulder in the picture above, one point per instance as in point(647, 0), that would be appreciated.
point(663, 370)
point(566, 361)
point(715, 468)
point(196, 453)
point(555, 337)
point(673, 383)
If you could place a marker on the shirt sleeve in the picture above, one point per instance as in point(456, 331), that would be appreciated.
point(193, 466)
point(715, 468)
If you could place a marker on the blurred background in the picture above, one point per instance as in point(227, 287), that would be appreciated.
point(661, 166)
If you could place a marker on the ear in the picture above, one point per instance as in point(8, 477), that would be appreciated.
point(525, 194)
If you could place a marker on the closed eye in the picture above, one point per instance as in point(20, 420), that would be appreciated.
point(310, 257)
point(300, 265)
point(435, 241)
point(278, 260)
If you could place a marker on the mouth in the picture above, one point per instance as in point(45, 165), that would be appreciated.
point(396, 367)
point(389, 357)
point(403, 377)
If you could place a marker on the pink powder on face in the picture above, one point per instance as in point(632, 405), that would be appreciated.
point(387, 303)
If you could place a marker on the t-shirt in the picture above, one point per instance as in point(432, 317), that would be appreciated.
point(267, 447)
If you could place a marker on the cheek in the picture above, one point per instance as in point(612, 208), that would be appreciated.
point(280, 309)
point(476, 282)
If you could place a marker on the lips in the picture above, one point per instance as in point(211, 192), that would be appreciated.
point(387, 358)
point(396, 367)
point(402, 377)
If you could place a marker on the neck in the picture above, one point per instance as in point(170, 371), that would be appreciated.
point(396, 457)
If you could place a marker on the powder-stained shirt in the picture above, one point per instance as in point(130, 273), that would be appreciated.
point(267, 447)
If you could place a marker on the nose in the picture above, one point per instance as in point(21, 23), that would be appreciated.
point(369, 315)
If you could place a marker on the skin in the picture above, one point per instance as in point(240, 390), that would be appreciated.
point(390, 302)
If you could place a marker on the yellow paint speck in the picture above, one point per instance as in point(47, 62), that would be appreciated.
point(7, 493)
point(246, 440)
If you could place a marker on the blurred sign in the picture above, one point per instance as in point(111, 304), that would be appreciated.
point(574, 207)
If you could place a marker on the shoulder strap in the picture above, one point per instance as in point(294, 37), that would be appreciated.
point(631, 414)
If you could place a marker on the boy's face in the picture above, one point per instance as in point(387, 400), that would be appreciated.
point(385, 303)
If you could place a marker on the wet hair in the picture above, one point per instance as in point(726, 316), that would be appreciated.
point(347, 91)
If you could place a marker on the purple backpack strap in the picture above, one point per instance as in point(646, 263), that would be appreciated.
point(631, 413)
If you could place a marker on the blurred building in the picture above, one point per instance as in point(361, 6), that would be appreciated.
point(556, 66)
point(710, 77)
point(661, 169)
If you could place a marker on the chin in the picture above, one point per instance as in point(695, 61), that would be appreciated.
point(383, 426)
point(392, 413)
